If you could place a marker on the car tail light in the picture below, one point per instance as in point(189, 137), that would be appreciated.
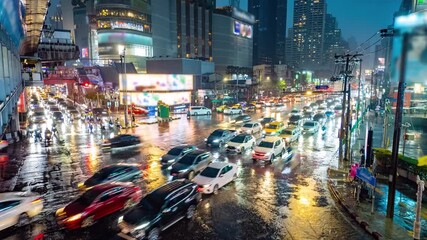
point(35, 201)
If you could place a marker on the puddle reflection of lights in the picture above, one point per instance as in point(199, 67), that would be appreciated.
point(215, 155)
point(252, 172)
point(304, 201)
point(207, 205)
point(267, 179)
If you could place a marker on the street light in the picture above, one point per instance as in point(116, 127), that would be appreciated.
point(122, 49)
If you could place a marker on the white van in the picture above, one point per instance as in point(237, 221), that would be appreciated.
point(199, 110)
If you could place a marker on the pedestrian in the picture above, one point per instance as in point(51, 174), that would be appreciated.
point(133, 119)
point(362, 155)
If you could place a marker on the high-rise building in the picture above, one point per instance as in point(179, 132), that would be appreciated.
point(333, 42)
point(269, 30)
point(123, 25)
point(183, 28)
point(54, 17)
point(281, 15)
point(308, 33)
point(232, 27)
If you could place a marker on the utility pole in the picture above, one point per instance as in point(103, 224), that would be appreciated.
point(397, 127)
point(348, 125)
point(358, 89)
point(345, 119)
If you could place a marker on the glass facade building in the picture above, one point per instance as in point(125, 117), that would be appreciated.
point(122, 24)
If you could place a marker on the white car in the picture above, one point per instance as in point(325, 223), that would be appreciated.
point(269, 148)
point(295, 112)
point(310, 127)
point(233, 110)
point(216, 175)
point(241, 143)
point(199, 110)
point(251, 127)
point(16, 208)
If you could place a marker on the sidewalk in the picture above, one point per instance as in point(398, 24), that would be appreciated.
point(376, 223)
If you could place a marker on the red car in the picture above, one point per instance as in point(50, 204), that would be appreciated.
point(98, 202)
point(138, 110)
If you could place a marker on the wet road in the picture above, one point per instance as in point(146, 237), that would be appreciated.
point(285, 200)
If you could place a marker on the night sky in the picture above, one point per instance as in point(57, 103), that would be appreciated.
point(358, 18)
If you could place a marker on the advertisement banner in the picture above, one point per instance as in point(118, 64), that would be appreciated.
point(156, 82)
point(145, 99)
point(416, 63)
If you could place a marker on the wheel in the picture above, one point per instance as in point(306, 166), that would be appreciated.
point(195, 114)
point(153, 234)
point(240, 112)
point(209, 113)
point(129, 203)
point(221, 144)
point(272, 158)
point(242, 150)
point(190, 175)
point(234, 176)
point(190, 212)
point(87, 222)
point(23, 220)
point(253, 145)
point(215, 190)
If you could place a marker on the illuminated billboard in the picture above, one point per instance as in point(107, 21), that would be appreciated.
point(416, 61)
point(145, 99)
point(156, 82)
point(243, 30)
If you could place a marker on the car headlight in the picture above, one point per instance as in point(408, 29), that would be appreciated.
point(226, 145)
point(267, 154)
point(216, 141)
point(120, 219)
point(207, 140)
point(74, 218)
point(170, 168)
point(160, 159)
point(263, 132)
point(206, 185)
point(183, 170)
point(60, 212)
point(287, 139)
point(253, 151)
point(172, 160)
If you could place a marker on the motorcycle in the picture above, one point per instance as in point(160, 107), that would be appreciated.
point(47, 138)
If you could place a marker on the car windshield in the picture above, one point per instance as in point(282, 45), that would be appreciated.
point(294, 118)
point(175, 151)
point(217, 133)
point(210, 172)
point(309, 124)
point(287, 132)
point(338, 107)
point(273, 126)
point(57, 114)
point(267, 120)
point(241, 118)
point(39, 114)
point(88, 197)
point(151, 203)
point(318, 116)
point(238, 139)
point(187, 160)
point(295, 111)
point(248, 125)
point(265, 144)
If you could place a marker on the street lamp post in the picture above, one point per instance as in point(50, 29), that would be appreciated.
point(125, 95)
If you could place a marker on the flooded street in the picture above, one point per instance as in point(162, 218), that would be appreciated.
point(288, 199)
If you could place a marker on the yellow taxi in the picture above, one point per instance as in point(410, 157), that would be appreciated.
point(221, 108)
point(274, 128)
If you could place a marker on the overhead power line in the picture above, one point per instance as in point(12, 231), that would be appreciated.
point(373, 35)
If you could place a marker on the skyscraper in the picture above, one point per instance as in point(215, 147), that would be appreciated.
point(333, 42)
point(269, 30)
point(308, 33)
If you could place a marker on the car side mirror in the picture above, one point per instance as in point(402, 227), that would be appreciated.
point(221, 175)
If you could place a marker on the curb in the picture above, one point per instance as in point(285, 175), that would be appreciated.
point(363, 224)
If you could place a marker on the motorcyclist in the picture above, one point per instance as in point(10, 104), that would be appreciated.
point(47, 135)
point(38, 134)
point(90, 128)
